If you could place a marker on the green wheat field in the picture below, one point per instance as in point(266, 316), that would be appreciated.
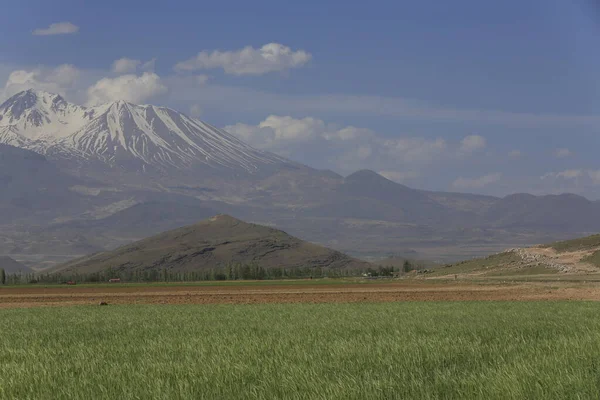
point(427, 350)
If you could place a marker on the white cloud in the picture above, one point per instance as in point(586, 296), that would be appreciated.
point(563, 153)
point(291, 129)
point(278, 131)
point(594, 175)
point(569, 174)
point(261, 138)
point(195, 111)
point(132, 88)
point(59, 28)
point(414, 149)
point(341, 148)
point(201, 79)
point(272, 57)
point(64, 75)
point(149, 65)
point(349, 133)
point(259, 102)
point(472, 143)
point(515, 154)
point(128, 65)
point(125, 65)
point(475, 183)
point(55, 80)
point(581, 181)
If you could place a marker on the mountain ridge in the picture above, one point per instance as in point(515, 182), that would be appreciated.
point(108, 158)
point(216, 242)
point(120, 133)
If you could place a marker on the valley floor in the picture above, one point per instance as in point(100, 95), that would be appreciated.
point(303, 291)
point(403, 350)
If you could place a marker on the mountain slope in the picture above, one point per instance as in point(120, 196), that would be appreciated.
point(11, 266)
point(565, 213)
point(32, 187)
point(40, 116)
point(214, 243)
point(124, 154)
point(575, 256)
point(121, 134)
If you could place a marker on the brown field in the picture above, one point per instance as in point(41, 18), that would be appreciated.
point(14, 297)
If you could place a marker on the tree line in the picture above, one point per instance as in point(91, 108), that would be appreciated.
point(234, 271)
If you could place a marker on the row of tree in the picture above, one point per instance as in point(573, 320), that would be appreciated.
point(236, 271)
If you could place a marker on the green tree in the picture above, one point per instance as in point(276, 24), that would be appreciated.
point(2, 276)
point(407, 267)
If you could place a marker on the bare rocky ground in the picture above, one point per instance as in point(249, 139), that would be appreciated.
point(547, 257)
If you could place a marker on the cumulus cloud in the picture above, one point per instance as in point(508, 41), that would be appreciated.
point(570, 174)
point(59, 28)
point(472, 143)
point(563, 153)
point(349, 133)
point(128, 65)
point(342, 148)
point(195, 110)
point(56, 80)
point(272, 57)
point(201, 79)
point(594, 175)
point(125, 65)
point(278, 131)
point(131, 88)
point(582, 181)
point(475, 183)
point(149, 65)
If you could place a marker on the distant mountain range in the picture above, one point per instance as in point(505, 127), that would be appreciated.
point(74, 180)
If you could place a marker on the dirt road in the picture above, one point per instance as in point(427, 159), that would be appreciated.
point(242, 294)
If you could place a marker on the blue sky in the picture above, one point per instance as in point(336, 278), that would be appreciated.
point(479, 96)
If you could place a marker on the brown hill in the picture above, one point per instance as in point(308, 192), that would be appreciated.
point(214, 243)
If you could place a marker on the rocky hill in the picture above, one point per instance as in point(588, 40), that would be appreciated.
point(214, 243)
point(572, 257)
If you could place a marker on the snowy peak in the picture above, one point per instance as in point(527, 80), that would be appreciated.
point(157, 136)
point(22, 102)
point(36, 114)
point(122, 134)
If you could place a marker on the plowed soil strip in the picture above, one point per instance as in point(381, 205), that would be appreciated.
point(61, 296)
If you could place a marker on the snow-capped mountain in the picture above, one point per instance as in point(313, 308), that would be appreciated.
point(122, 134)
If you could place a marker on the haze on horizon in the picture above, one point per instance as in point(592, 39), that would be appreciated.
point(490, 98)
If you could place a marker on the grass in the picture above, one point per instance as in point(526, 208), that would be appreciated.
point(594, 258)
point(484, 265)
point(525, 271)
point(575, 244)
point(459, 350)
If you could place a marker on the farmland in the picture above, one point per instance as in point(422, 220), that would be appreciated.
point(301, 291)
point(493, 350)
